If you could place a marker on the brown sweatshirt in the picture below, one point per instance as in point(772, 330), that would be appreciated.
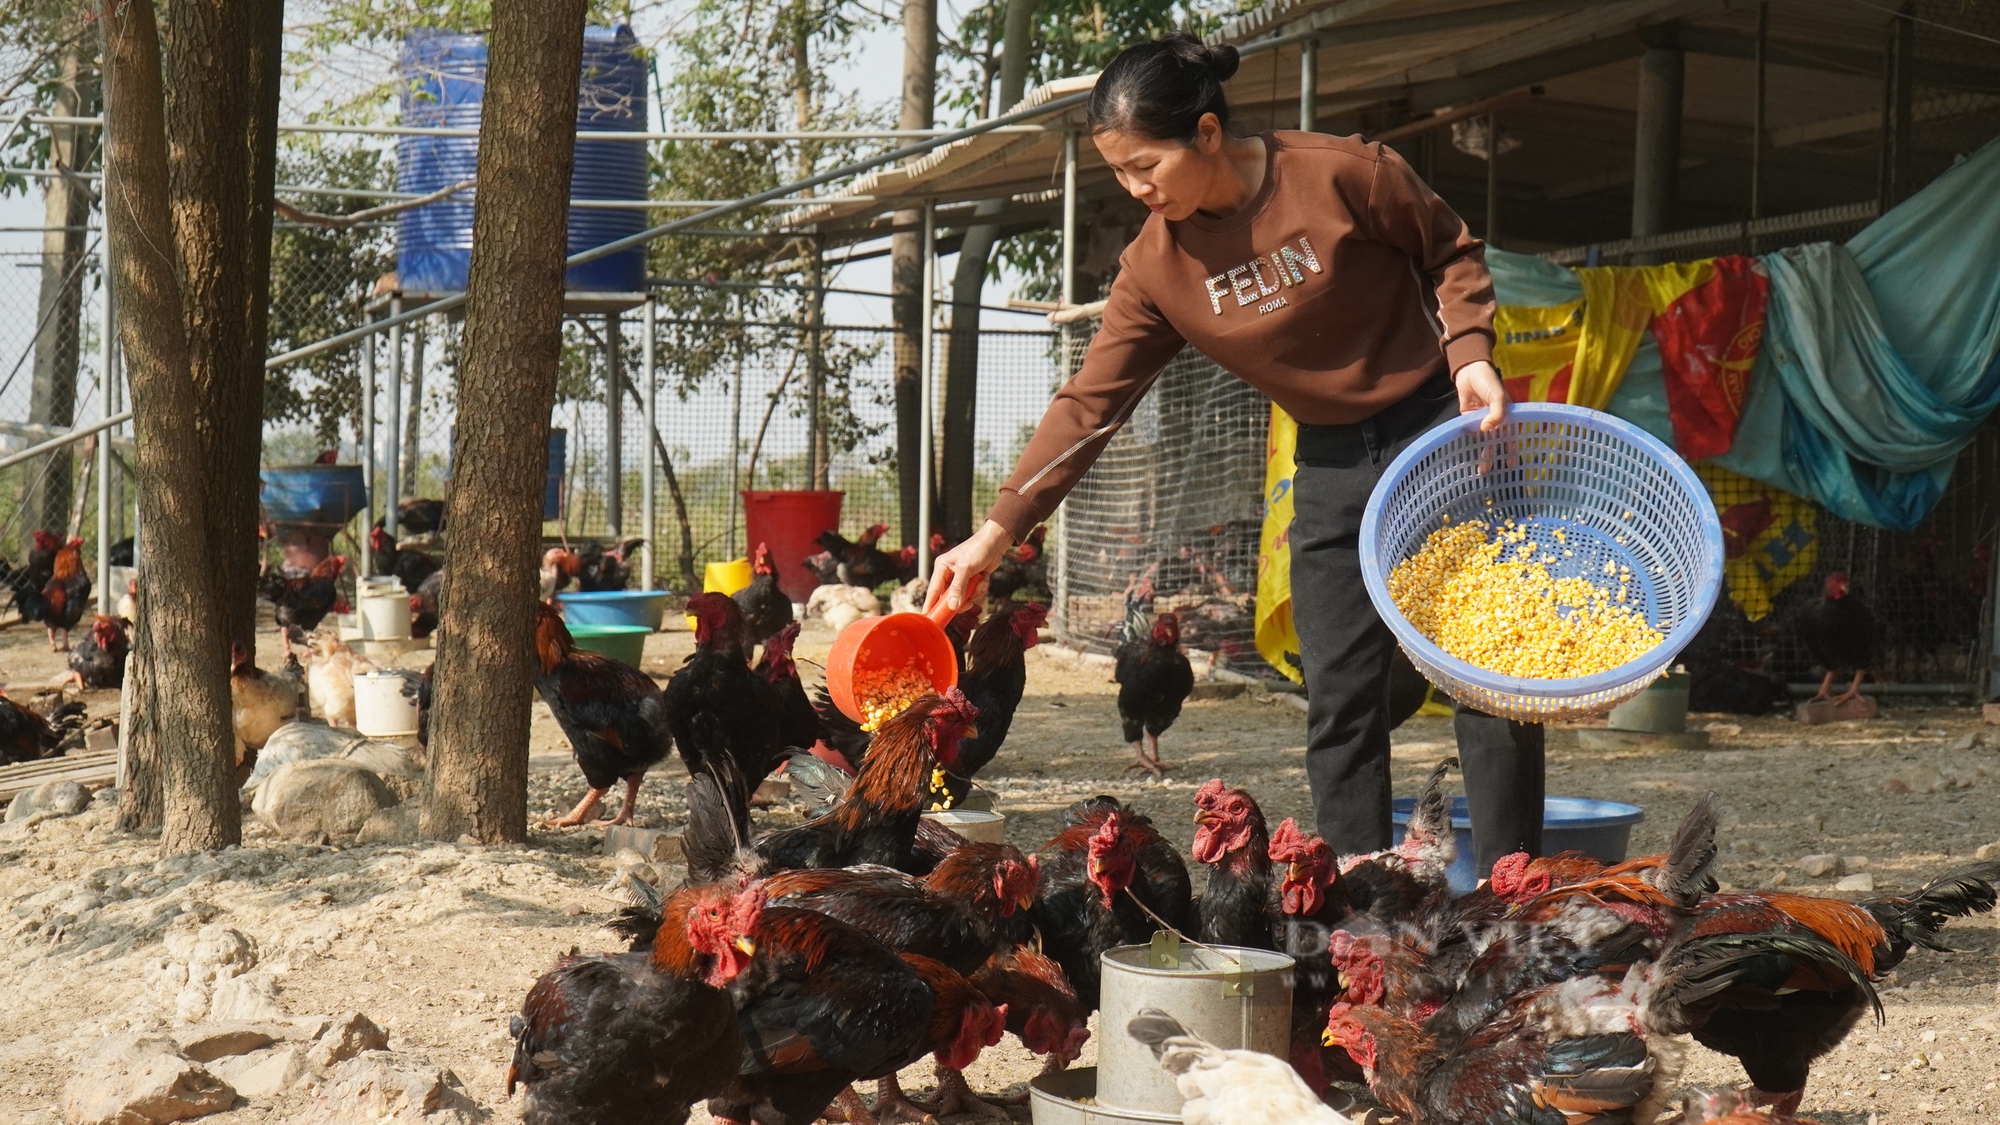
point(1342, 285)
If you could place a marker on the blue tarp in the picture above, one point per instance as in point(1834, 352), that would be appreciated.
point(1880, 357)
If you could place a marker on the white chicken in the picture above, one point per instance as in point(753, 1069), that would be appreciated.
point(842, 605)
point(330, 679)
point(128, 602)
point(909, 597)
point(1229, 1087)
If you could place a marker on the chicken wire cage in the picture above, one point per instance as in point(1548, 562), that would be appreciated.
point(1595, 495)
point(1169, 517)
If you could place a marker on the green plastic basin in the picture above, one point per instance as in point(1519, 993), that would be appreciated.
point(619, 642)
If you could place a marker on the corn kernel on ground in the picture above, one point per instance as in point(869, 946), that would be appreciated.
point(1492, 603)
point(884, 693)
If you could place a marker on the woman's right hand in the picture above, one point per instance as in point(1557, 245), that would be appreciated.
point(959, 571)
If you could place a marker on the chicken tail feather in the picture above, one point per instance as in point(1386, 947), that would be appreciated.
point(1957, 893)
point(1689, 871)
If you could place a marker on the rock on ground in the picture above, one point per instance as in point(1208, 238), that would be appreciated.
point(50, 798)
point(346, 1037)
point(141, 1080)
point(323, 799)
point(377, 1087)
point(264, 1073)
point(397, 824)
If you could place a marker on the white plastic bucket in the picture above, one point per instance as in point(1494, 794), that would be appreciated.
point(381, 707)
point(977, 826)
point(384, 609)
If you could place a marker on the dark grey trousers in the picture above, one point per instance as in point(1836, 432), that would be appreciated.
point(1345, 648)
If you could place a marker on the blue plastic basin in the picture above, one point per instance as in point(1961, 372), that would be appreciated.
point(327, 495)
point(1600, 829)
point(615, 607)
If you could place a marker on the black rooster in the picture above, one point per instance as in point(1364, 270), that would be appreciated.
point(766, 609)
point(994, 677)
point(1154, 679)
point(605, 568)
point(98, 660)
point(1839, 630)
point(716, 704)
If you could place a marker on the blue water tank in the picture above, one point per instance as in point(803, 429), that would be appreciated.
point(444, 84)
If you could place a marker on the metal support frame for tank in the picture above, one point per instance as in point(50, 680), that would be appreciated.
point(736, 440)
point(819, 474)
point(453, 302)
point(107, 397)
point(367, 439)
point(649, 390)
point(411, 461)
point(926, 348)
point(392, 420)
point(614, 424)
point(1309, 85)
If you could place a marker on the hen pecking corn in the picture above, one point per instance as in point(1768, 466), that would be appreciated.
point(884, 693)
point(1495, 605)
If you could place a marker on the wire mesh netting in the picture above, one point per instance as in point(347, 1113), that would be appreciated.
point(1169, 517)
point(52, 349)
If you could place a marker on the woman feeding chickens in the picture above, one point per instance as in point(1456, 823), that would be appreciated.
point(1322, 271)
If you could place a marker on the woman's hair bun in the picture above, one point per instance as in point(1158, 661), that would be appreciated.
point(1163, 88)
point(1222, 60)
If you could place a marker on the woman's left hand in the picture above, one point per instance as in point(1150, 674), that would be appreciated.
point(1480, 388)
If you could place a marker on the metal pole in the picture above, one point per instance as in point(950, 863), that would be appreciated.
point(1492, 232)
point(1069, 220)
point(106, 395)
point(66, 438)
point(413, 418)
point(924, 364)
point(820, 474)
point(1757, 121)
point(650, 405)
point(736, 435)
point(1309, 85)
point(614, 426)
point(392, 419)
point(367, 439)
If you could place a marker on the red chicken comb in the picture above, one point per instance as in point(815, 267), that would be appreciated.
point(1290, 844)
point(1210, 792)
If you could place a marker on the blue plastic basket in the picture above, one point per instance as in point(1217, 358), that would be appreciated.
point(1614, 490)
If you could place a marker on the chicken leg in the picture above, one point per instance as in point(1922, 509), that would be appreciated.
point(1853, 690)
point(851, 1109)
point(1153, 755)
point(955, 1096)
point(1140, 763)
point(631, 798)
point(891, 1104)
point(1825, 688)
point(582, 811)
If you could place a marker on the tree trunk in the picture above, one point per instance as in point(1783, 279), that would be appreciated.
point(181, 703)
point(216, 56)
point(961, 387)
point(478, 777)
point(66, 211)
point(906, 265)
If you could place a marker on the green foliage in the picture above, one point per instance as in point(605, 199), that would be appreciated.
point(319, 280)
point(1071, 37)
point(752, 65)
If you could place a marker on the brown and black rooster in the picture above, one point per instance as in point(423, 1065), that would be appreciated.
point(98, 660)
point(1109, 879)
point(643, 1035)
point(798, 722)
point(300, 604)
point(66, 594)
point(614, 715)
point(876, 819)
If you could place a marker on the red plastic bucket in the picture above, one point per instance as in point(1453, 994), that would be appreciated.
point(790, 523)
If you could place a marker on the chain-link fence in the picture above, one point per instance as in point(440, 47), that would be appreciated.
point(1168, 519)
point(51, 344)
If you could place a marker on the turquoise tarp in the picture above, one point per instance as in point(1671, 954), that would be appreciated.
point(1880, 357)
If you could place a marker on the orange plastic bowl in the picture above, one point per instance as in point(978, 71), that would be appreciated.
point(900, 640)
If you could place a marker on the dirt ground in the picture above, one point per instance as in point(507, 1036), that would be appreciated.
point(439, 942)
